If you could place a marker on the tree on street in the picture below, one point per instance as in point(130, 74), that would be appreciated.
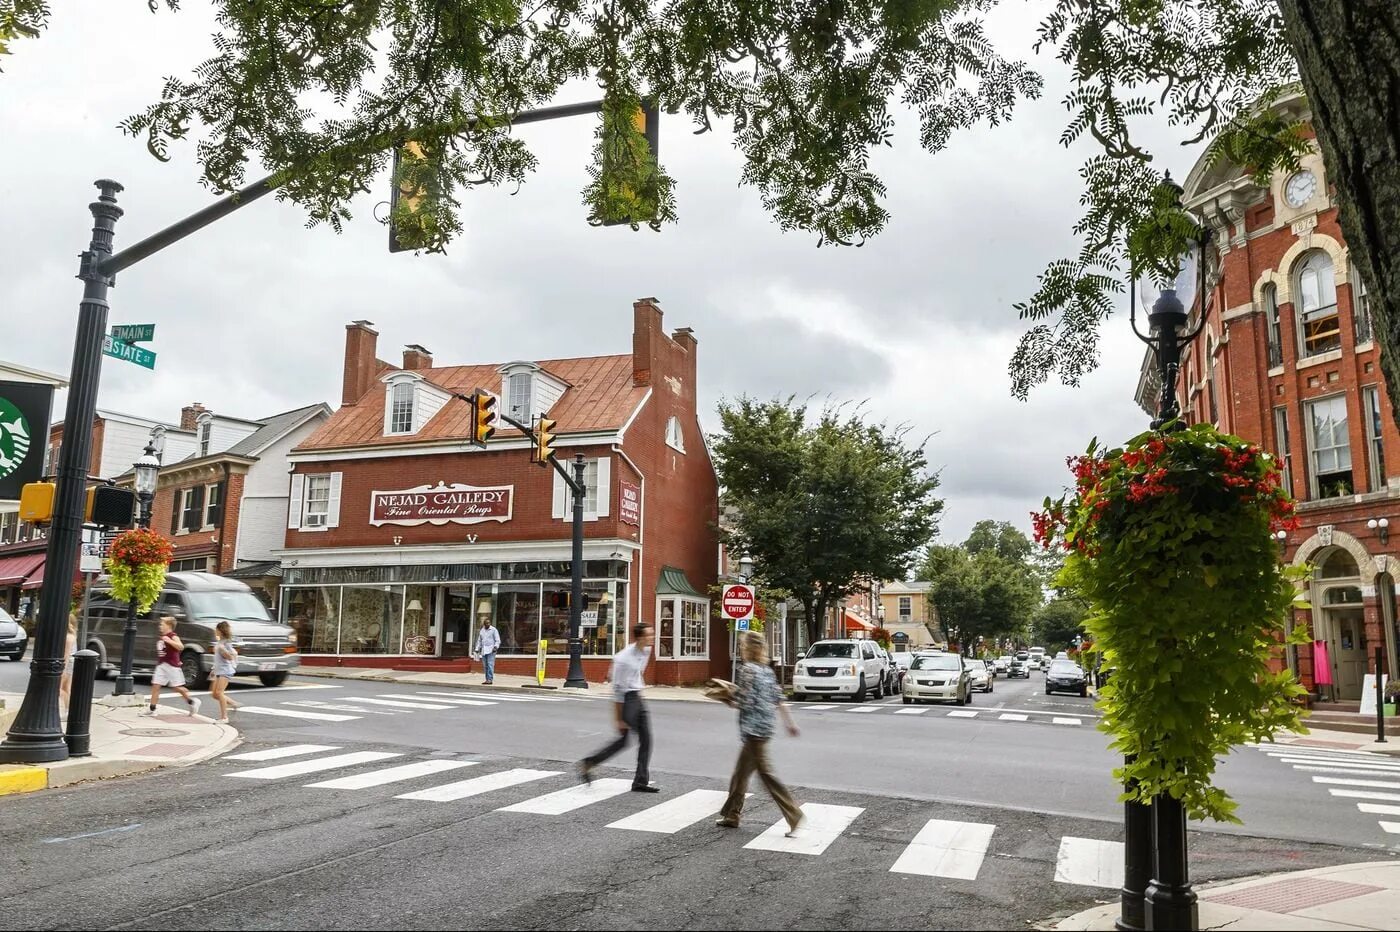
point(986, 587)
point(1057, 622)
point(821, 507)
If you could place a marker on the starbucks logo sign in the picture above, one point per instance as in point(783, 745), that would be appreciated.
point(14, 437)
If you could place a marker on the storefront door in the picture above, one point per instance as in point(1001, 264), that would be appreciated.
point(457, 622)
point(1345, 632)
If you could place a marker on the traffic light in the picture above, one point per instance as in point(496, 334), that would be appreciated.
point(646, 119)
point(106, 505)
point(483, 417)
point(36, 502)
point(413, 199)
point(544, 440)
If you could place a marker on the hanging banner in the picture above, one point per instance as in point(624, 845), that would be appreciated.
point(630, 503)
point(24, 434)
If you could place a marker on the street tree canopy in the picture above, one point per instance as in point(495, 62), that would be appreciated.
point(822, 508)
point(988, 586)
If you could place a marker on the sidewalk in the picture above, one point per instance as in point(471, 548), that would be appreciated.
point(1319, 737)
point(1350, 896)
point(503, 681)
point(123, 743)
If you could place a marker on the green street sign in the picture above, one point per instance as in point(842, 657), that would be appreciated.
point(125, 351)
point(134, 333)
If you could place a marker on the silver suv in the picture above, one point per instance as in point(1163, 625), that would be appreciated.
point(198, 602)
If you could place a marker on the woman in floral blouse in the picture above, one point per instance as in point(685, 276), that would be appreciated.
point(759, 701)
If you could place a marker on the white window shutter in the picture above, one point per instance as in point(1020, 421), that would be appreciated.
point(294, 502)
point(561, 495)
point(604, 485)
point(333, 507)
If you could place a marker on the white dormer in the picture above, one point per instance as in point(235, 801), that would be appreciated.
point(205, 428)
point(527, 390)
point(410, 401)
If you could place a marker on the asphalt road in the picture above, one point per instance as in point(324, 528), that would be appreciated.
point(1025, 794)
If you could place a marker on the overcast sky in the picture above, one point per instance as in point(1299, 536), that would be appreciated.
point(250, 313)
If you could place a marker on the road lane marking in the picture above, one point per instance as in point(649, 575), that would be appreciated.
point(946, 849)
point(1089, 862)
point(1379, 784)
point(296, 713)
point(817, 708)
point(314, 766)
point(478, 785)
point(675, 814)
point(1059, 720)
point(105, 831)
point(1364, 794)
point(575, 797)
point(1391, 827)
point(821, 825)
point(1012, 717)
point(962, 713)
point(337, 707)
point(397, 703)
point(420, 768)
point(1378, 809)
point(1355, 771)
point(421, 698)
point(494, 697)
point(1359, 761)
point(291, 750)
point(866, 708)
point(910, 711)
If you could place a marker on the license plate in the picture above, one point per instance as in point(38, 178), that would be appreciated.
point(269, 666)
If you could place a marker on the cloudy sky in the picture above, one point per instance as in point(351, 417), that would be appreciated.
point(250, 313)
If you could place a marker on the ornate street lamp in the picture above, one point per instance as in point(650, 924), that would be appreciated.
point(1157, 890)
point(147, 471)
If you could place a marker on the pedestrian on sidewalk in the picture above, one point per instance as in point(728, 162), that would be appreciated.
point(627, 679)
point(488, 641)
point(70, 646)
point(225, 666)
point(759, 700)
point(168, 669)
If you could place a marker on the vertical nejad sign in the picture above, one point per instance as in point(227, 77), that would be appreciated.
point(24, 434)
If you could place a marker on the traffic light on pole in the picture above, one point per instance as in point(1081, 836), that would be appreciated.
point(646, 119)
point(483, 417)
point(544, 440)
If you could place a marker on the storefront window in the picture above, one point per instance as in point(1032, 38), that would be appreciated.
point(371, 620)
point(516, 613)
point(554, 621)
point(695, 629)
point(418, 621)
point(666, 630)
point(314, 613)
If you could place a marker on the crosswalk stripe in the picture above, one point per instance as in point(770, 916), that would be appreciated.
point(337, 707)
point(821, 825)
point(420, 768)
point(818, 708)
point(1366, 794)
point(419, 698)
point(963, 713)
point(298, 768)
point(1012, 717)
point(675, 814)
point(1275, 750)
point(291, 750)
point(297, 713)
point(910, 711)
point(1089, 862)
point(1340, 781)
point(866, 708)
point(496, 697)
point(1378, 809)
point(1066, 720)
point(478, 785)
point(575, 797)
point(1356, 771)
point(1340, 761)
point(946, 849)
point(1391, 827)
point(397, 703)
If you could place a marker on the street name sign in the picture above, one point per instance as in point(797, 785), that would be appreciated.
point(134, 333)
point(128, 352)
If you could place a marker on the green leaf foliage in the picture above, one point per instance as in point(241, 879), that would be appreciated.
point(821, 507)
point(989, 586)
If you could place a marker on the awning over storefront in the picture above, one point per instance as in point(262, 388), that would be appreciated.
point(18, 568)
point(673, 582)
point(256, 570)
point(854, 623)
point(36, 580)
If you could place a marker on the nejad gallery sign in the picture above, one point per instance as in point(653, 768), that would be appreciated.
point(442, 504)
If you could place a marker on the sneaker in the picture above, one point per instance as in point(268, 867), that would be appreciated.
point(727, 823)
point(793, 830)
point(221, 721)
point(147, 711)
point(585, 771)
point(194, 707)
point(645, 788)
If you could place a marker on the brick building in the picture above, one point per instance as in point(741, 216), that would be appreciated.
point(1287, 359)
point(402, 537)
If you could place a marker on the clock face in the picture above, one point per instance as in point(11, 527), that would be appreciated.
point(1300, 188)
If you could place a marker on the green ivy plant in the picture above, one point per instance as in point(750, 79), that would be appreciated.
point(1169, 541)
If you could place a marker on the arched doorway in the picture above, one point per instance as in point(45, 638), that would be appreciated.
point(1339, 622)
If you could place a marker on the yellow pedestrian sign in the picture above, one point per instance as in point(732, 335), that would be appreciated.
point(540, 656)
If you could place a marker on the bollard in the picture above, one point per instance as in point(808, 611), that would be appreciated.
point(79, 736)
point(1380, 701)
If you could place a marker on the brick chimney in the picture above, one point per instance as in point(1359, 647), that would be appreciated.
point(416, 357)
point(360, 341)
point(685, 339)
point(189, 415)
point(646, 337)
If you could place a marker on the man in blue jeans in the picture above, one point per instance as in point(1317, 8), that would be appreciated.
point(488, 641)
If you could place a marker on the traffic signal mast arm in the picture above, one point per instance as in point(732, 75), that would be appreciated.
point(529, 432)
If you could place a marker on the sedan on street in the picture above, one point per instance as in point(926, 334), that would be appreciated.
point(979, 677)
point(1066, 676)
point(937, 678)
point(13, 638)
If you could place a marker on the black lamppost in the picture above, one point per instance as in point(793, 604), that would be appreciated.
point(1157, 890)
point(745, 574)
point(147, 470)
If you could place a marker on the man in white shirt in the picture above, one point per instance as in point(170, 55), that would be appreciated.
point(488, 641)
point(627, 676)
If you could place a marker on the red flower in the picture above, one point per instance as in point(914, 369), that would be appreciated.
point(140, 547)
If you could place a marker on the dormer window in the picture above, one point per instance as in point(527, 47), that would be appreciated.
point(528, 390)
point(520, 396)
point(206, 431)
point(401, 408)
point(675, 438)
point(410, 402)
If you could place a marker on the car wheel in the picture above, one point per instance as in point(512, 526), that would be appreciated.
point(1049, 691)
point(880, 688)
point(860, 692)
point(17, 657)
point(908, 701)
point(195, 677)
point(273, 679)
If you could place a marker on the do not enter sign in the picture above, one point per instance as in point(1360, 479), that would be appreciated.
point(737, 602)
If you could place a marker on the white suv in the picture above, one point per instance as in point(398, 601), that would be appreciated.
point(845, 667)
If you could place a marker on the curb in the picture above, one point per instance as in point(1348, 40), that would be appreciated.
point(23, 780)
point(597, 689)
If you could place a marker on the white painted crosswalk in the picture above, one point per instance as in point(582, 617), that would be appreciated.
point(350, 708)
point(944, 848)
point(998, 714)
point(1348, 775)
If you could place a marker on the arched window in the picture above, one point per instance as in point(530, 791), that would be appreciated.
point(206, 433)
point(1315, 302)
point(1275, 326)
point(1339, 565)
point(519, 391)
point(1213, 382)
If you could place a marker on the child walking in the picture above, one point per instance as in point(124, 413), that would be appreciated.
point(225, 666)
point(168, 670)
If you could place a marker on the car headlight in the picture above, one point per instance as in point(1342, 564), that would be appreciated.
point(801, 668)
point(292, 638)
point(848, 670)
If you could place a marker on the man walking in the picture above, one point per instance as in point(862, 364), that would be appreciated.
point(631, 712)
point(488, 641)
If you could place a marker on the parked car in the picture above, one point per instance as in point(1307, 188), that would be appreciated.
point(937, 678)
point(991, 668)
point(978, 676)
point(13, 638)
point(1066, 676)
point(1018, 667)
point(901, 661)
point(197, 602)
point(839, 667)
point(888, 664)
point(1003, 663)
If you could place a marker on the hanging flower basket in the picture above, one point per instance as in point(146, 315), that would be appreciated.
point(1170, 541)
point(137, 566)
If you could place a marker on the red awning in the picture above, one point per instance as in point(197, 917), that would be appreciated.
point(854, 623)
point(36, 580)
point(20, 567)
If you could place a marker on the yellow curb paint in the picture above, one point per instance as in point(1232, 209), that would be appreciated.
point(23, 780)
